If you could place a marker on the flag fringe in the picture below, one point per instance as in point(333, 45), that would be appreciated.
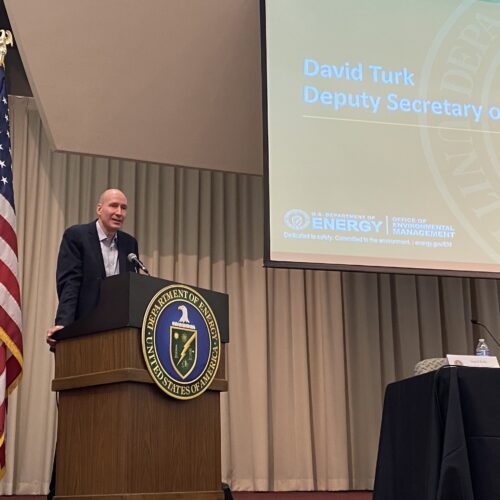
point(11, 346)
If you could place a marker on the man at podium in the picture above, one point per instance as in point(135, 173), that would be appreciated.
point(89, 253)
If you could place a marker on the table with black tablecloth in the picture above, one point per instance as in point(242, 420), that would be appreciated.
point(440, 437)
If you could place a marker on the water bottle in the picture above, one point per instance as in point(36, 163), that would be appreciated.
point(482, 348)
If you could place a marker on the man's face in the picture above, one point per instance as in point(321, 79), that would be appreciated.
point(112, 210)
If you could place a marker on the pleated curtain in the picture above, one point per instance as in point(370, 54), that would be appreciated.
point(310, 352)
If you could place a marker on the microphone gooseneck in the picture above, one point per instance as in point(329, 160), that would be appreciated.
point(482, 325)
point(132, 257)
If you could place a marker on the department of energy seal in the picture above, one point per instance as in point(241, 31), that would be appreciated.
point(297, 219)
point(181, 342)
point(463, 153)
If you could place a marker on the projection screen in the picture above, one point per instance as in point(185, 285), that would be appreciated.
point(382, 135)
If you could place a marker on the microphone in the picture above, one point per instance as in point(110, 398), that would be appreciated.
point(132, 257)
point(476, 322)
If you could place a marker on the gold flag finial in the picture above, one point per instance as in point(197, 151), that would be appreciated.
point(5, 39)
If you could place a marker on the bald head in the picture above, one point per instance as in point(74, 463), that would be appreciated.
point(110, 193)
point(112, 210)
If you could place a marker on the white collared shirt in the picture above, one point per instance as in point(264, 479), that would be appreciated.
point(109, 252)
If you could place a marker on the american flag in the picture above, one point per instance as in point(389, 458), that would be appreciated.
point(11, 343)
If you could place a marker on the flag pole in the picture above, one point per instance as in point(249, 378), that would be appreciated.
point(5, 39)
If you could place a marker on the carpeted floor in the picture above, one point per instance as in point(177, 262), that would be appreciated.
point(304, 495)
point(248, 495)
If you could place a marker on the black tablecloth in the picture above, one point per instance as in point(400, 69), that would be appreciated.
point(440, 437)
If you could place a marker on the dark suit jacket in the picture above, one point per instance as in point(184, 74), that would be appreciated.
point(80, 269)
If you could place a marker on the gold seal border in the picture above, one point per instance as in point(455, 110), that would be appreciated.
point(174, 382)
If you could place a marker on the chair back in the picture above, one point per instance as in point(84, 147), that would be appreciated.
point(429, 365)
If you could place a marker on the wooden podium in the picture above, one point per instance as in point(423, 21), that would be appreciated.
point(118, 434)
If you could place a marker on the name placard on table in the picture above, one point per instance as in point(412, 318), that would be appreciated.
point(475, 361)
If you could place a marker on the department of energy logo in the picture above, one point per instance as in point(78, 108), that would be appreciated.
point(181, 342)
point(297, 219)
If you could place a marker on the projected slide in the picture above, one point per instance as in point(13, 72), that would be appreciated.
point(383, 134)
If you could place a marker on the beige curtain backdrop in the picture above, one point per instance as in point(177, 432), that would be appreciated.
point(311, 351)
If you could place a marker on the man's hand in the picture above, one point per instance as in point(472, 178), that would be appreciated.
point(50, 332)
